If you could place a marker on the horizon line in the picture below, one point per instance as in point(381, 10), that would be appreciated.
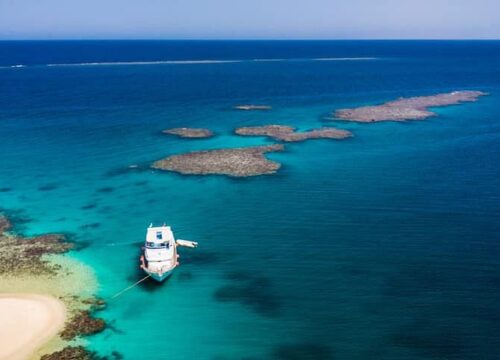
point(251, 39)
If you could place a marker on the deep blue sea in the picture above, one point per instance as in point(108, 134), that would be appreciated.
point(382, 246)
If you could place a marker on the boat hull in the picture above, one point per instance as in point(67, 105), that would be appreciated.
point(160, 277)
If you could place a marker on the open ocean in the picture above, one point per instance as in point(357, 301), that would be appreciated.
point(382, 246)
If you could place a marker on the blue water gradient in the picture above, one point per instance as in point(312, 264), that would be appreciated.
point(383, 246)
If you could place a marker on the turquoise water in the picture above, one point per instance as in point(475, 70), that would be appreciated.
point(383, 246)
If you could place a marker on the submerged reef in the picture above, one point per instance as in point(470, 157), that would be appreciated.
point(289, 134)
point(20, 255)
point(71, 353)
point(303, 351)
point(82, 323)
point(249, 107)
point(79, 353)
point(255, 292)
point(237, 162)
point(5, 224)
point(189, 132)
point(413, 108)
point(95, 303)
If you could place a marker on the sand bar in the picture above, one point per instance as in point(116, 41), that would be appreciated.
point(413, 108)
point(289, 134)
point(28, 321)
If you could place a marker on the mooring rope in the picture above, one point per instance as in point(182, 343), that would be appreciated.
point(129, 287)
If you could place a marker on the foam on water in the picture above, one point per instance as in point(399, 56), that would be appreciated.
point(186, 62)
point(346, 59)
point(160, 62)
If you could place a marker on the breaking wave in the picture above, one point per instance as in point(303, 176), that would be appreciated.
point(148, 62)
point(345, 59)
point(186, 62)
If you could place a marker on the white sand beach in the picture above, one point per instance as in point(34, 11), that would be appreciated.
point(28, 321)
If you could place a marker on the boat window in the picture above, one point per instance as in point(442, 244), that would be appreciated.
point(155, 245)
point(159, 235)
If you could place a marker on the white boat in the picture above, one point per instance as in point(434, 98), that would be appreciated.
point(160, 257)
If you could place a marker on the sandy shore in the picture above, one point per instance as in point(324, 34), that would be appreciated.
point(28, 322)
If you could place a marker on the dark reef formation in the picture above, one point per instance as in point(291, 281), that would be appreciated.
point(238, 162)
point(303, 351)
point(5, 224)
point(70, 353)
point(255, 292)
point(288, 133)
point(413, 108)
point(96, 304)
point(79, 353)
point(189, 132)
point(81, 324)
point(47, 187)
point(21, 255)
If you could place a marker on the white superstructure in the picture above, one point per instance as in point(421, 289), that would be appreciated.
point(160, 256)
point(160, 252)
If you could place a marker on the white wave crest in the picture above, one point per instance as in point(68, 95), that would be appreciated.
point(189, 62)
point(12, 66)
point(345, 59)
point(129, 63)
point(269, 60)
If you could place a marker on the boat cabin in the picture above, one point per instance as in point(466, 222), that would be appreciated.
point(159, 252)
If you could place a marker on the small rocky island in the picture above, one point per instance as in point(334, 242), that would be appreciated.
point(289, 134)
point(413, 108)
point(189, 132)
point(237, 162)
point(249, 107)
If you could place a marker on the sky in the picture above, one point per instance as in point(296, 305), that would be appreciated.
point(249, 19)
